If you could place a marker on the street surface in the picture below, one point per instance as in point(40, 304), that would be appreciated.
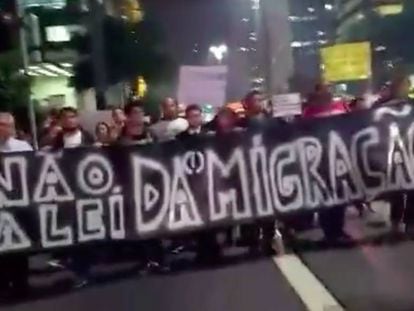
point(378, 274)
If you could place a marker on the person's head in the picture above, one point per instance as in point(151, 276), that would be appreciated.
point(7, 126)
point(194, 116)
point(226, 120)
point(181, 109)
point(134, 112)
point(169, 109)
point(54, 129)
point(253, 103)
point(400, 86)
point(118, 115)
point(102, 132)
point(69, 119)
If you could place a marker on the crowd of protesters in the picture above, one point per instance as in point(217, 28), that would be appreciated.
point(130, 126)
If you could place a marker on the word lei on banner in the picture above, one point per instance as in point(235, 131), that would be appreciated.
point(50, 200)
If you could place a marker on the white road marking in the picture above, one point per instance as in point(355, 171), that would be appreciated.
point(309, 289)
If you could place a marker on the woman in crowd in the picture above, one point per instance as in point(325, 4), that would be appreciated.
point(103, 134)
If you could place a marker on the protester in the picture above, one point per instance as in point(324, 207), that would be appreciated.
point(402, 205)
point(49, 135)
point(135, 131)
point(72, 134)
point(103, 134)
point(170, 124)
point(194, 117)
point(255, 109)
point(226, 121)
point(14, 268)
point(118, 121)
point(255, 115)
point(321, 104)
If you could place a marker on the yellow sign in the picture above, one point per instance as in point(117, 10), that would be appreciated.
point(142, 87)
point(346, 62)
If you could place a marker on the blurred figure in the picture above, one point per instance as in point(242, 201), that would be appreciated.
point(194, 117)
point(118, 122)
point(402, 205)
point(49, 135)
point(256, 114)
point(102, 134)
point(255, 106)
point(181, 110)
point(321, 104)
point(8, 142)
point(170, 124)
point(396, 93)
point(135, 131)
point(14, 269)
point(72, 135)
point(225, 121)
point(52, 117)
point(358, 103)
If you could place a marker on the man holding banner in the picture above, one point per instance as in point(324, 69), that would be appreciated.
point(14, 269)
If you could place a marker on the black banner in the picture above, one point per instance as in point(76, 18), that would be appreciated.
point(117, 193)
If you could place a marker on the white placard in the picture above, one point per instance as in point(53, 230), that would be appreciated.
point(286, 105)
point(203, 85)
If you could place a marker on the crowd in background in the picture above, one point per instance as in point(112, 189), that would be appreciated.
point(130, 126)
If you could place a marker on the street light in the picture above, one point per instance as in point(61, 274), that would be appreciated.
point(218, 51)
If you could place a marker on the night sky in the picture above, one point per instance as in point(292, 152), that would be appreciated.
point(190, 22)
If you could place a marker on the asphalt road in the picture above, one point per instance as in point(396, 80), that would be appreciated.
point(375, 275)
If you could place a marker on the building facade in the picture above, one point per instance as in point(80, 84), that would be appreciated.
point(383, 24)
point(313, 24)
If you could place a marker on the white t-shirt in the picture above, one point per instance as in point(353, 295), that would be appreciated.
point(15, 145)
point(72, 140)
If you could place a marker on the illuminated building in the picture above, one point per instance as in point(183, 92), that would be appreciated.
point(313, 24)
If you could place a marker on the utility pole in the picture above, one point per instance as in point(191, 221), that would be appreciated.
point(25, 60)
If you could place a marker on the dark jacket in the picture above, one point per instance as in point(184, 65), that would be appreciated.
point(143, 139)
point(86, 140)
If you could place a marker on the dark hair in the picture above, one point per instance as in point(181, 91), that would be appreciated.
point(251, 94)
point(104, 124)
point(227, 111)
point(67, 110)
point(193, 107)
point(132, 105)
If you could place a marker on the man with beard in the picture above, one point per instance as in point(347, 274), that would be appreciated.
point(72, 136)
